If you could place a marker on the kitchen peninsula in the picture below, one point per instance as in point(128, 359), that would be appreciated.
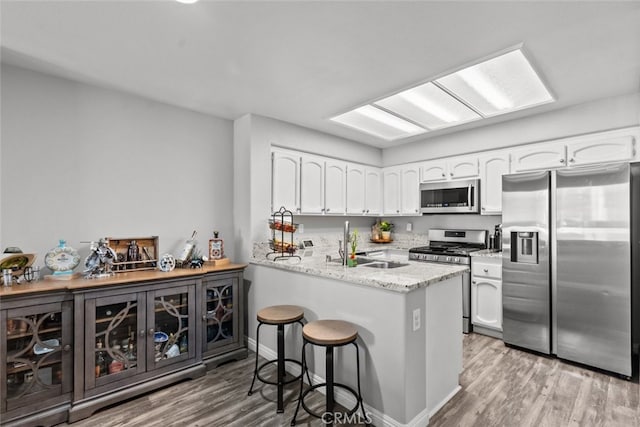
point(408, 320)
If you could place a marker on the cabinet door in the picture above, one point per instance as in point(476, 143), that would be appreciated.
point(486, 303)
point(171, 326)
point(36, 352)
point(285, 181)
point(542, 156)
point(312, 185)
point(601, 151)
point(463, 167)
point(434, 171)
point(492, 168)
point(115, 339)
point(373, 189)
point(391, 197)
point(221, 314)
point(410, 197)
point(335, 188)
point(356, 195)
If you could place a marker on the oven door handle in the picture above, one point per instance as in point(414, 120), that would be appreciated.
point(469, 197)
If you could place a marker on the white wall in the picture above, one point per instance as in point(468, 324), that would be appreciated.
point(80, 162)
point(600, 115)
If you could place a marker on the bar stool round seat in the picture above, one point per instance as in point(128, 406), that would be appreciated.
point(278, 315)
point(330, 334)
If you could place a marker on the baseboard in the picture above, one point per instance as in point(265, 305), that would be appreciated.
point(444, 402)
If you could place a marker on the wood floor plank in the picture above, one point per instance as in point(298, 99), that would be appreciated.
point(501, 387)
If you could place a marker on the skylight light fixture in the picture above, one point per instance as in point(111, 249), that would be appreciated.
point(379, 123)
point(497, 86)
point(429, 106)
point(187, 1)
point(500, 85)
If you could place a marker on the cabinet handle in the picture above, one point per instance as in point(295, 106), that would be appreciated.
point(443, 174)
point(451, 173)
point(572, 160)
point(486, 270)
point(363, 211)
point(67, 347)
point(297, 209)
point(204, 317)
point(141, 333)
point(474, 283)
point(484, 209)
point(416, 210)
point(397, 211)
point(327, 209)
point(562, 160)
point(151, 331)
point(367, 210)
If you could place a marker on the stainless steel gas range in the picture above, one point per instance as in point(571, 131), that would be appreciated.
point(453, 247)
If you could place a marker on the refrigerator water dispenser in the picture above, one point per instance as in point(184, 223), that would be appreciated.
point(524, 247)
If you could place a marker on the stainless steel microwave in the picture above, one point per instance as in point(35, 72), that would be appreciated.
point(450, 197)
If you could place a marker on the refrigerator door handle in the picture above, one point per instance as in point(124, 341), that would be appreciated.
point(469, 189)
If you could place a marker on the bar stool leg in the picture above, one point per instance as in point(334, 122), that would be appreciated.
point(307, 369)
point(329, 386)
point(255, 371)
point(364, 414)
point(280, 369)
point(304, 366)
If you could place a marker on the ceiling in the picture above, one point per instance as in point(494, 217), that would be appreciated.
point(303, 62)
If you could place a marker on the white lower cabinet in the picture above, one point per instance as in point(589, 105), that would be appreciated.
point(486, 295)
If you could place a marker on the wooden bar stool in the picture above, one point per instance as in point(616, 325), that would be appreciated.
point(279, 315)
point(329, 334)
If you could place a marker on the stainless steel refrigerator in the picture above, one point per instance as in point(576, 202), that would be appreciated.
point(570, 285)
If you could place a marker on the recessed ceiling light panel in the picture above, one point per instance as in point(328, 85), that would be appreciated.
point(379, 123)
point(499, 85)
point(429, 106)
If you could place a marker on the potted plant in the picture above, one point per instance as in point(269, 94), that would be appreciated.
point(351, 262)
point(385, 229)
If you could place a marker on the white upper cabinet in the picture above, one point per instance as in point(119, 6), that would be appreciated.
point(391, 192)
point(450, 168)
point(603, 147)
point(285, 181)
point(410, 190)
point(311, 185)
point(335, 187)
point(463, 167)
point(435, 170)
point(601, 150)
point(401, 190)
point(373, 191)
point(539, 156)
point(364, 190)
point(356, 189)
point(492, 167)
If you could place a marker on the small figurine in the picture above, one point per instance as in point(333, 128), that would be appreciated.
point(99, 263)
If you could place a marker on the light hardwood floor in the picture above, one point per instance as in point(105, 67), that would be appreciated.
point(501, 386)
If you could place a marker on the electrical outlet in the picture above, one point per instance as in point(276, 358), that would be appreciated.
point(416, 319)
point(300, 228)
point(409, 226)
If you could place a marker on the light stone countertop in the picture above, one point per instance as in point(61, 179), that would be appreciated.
point(487, 253)
point(404, 279)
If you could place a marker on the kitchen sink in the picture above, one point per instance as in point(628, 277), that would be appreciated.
point(384, 264)
point(360, 260)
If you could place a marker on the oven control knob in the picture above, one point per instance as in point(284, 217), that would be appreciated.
point(456, 259)
point(448, 259)
point(435, 257)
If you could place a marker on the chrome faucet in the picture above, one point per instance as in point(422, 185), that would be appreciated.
point(343, 245)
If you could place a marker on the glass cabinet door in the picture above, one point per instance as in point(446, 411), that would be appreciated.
point(221, 314)
point(37, 354)
point(170, 319)
point(113, 345)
